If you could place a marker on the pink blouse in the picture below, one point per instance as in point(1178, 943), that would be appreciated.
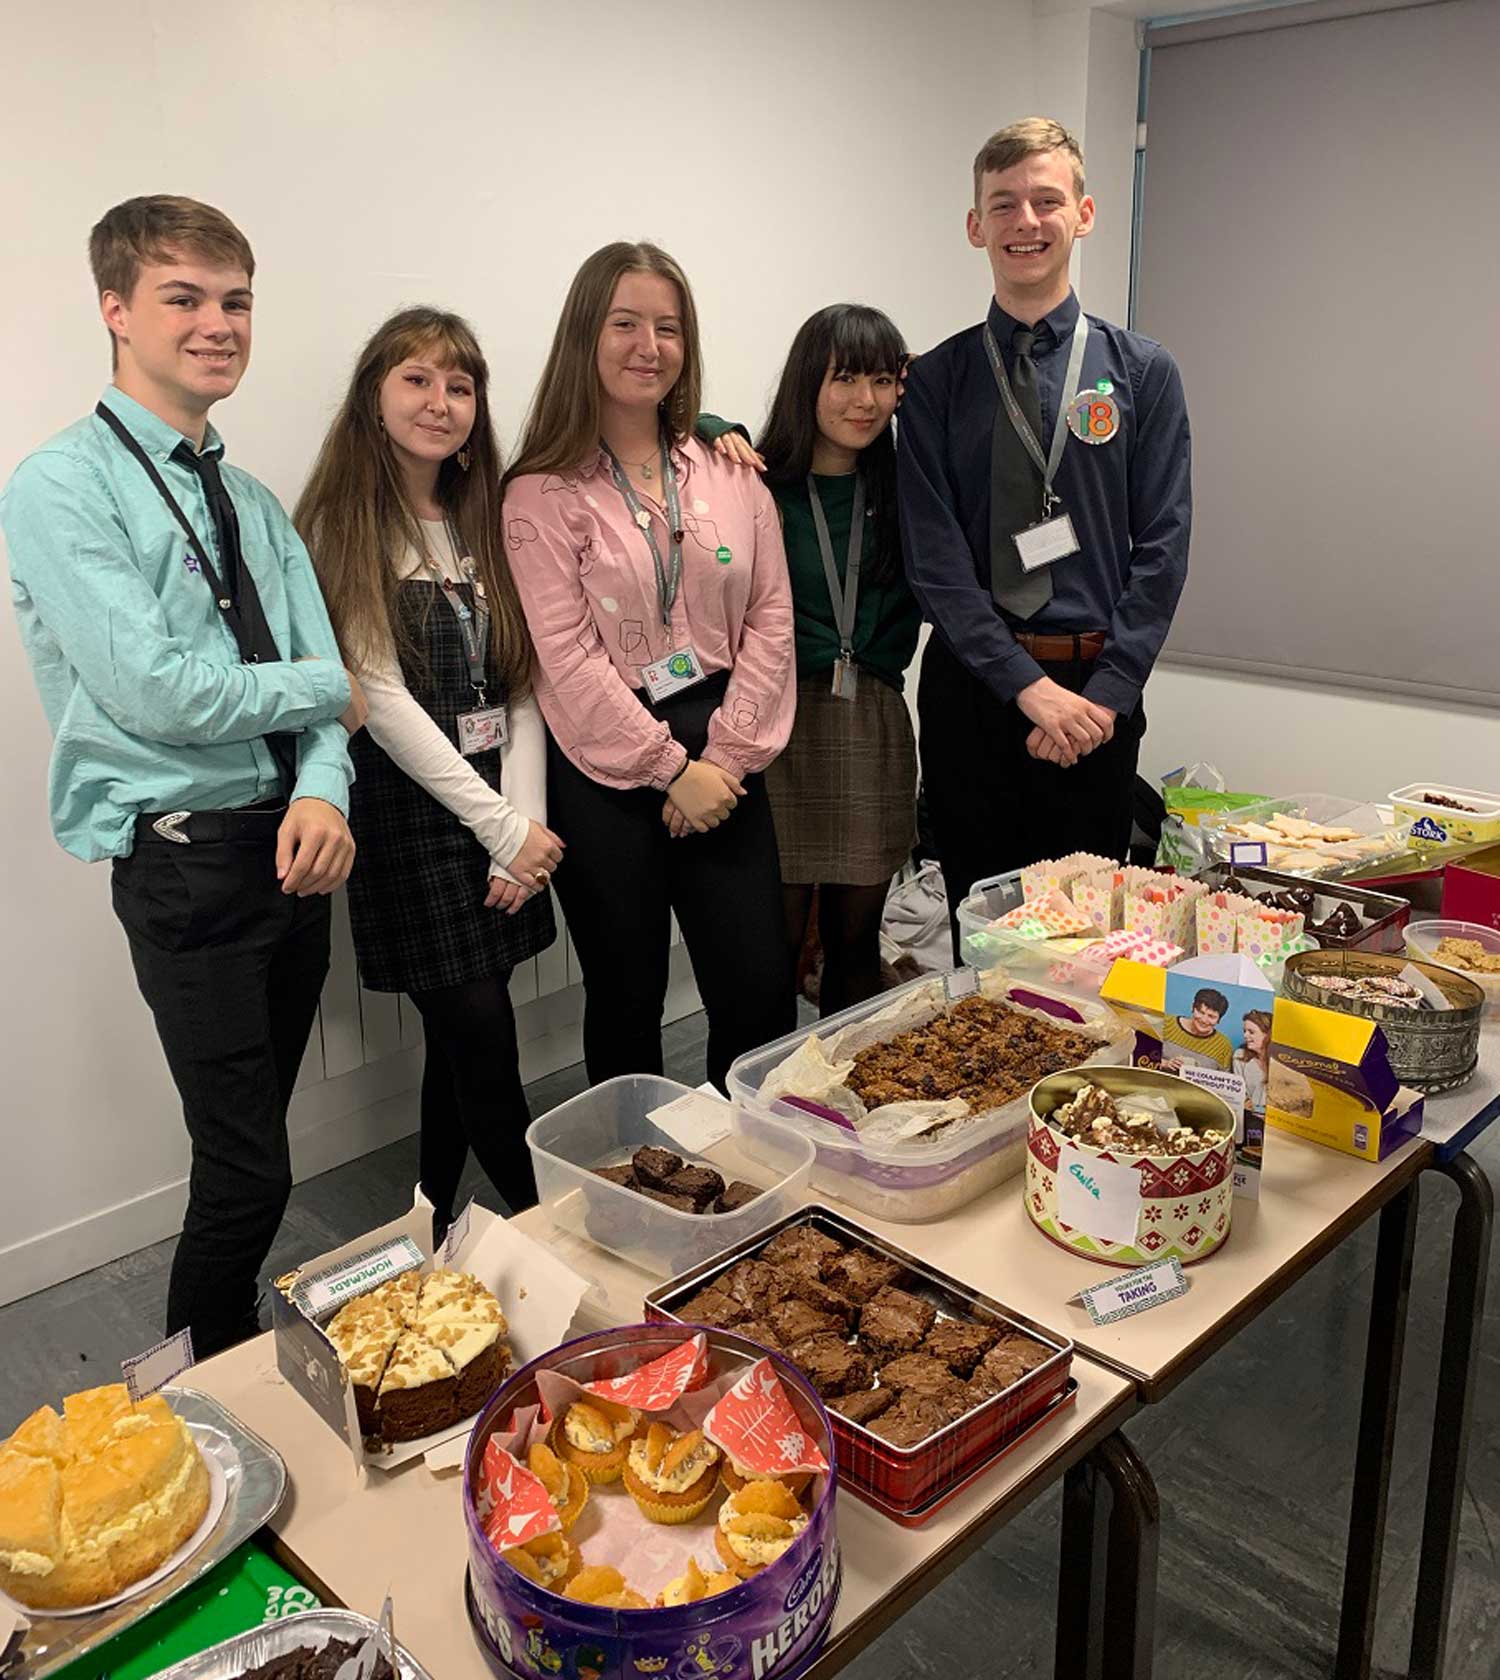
point(585, 574)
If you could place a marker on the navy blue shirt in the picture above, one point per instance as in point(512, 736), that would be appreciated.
point(1130, 500)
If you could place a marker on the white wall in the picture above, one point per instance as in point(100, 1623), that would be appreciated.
point(465, 153)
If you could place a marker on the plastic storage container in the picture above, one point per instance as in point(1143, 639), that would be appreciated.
point(1066, 964)
point(914, 1180)
point(603, 1127)
point(1422, 939)
point(1441, 825)
point(1325, 808)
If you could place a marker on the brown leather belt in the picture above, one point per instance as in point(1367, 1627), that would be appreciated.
point(1060, 649)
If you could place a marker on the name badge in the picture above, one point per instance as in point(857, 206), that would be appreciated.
point(845, 679)
point(483, 730)
point(671, 675)
point(1041, 545)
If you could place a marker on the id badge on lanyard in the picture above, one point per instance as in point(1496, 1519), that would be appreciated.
point(485, 727)
point(682, 668)
point(844, 598)
point(1052, 537)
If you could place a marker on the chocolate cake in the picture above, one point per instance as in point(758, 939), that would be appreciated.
point(735, 1196)
point(655, 1167)
point(307, 1664)
point(894, 1323)
point(623, 1176)
point(862, 1404)
point(669, 1198)
point(795, 1320)
point(910, 1421)
point(916, 1373)
point(960, 1344)
point(701, 1186)
point(832, 1366)
point(801, 1242)
point(859, 1274)
point(753, 1282)
point(714, 1306)
point(1011, 1358)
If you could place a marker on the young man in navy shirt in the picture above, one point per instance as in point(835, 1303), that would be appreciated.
point(1045, 508)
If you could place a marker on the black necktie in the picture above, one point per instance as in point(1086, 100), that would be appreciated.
point(259, 643)
point(1016, 490)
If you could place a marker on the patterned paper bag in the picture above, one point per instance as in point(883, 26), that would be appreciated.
point(1056, 874)
point(1217, 915)
point(1265, 934)
point(1101, 897)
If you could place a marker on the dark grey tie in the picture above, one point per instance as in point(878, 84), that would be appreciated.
point(1016, 490)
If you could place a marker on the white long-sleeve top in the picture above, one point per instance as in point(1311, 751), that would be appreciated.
point(406, 733)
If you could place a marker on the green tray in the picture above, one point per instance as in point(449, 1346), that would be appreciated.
point(249, 1587)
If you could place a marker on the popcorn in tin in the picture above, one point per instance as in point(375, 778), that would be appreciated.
point(655, 1567)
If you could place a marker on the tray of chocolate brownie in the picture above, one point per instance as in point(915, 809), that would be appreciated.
point(926, 1380)
point(662, 1175)
point(314, 1645)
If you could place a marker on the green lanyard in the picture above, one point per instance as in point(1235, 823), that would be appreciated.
point(473, 622)
point(667, 582)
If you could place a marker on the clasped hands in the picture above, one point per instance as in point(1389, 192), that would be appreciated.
point(701, 797)
point(1068, 727)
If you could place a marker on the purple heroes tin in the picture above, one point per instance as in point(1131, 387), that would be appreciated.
point(771, 1625)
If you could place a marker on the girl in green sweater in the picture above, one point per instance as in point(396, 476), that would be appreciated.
point(844, 791)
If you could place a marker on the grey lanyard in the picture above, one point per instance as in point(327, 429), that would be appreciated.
point(1047, 465)
point(844, 600)
point(666, 581)
point(473, 622)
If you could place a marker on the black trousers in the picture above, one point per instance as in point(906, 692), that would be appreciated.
point(992, 806)
point(622, 878)
point(232, 968)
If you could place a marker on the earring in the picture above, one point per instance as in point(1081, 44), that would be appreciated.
point(463, 457)
point(380, 421)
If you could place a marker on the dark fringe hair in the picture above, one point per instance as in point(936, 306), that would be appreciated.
point(855, 339)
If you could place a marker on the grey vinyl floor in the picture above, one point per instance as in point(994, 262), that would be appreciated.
point(1252, 1456)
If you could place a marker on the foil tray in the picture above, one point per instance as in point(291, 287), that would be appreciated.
point(312, 1628)
point(256, 1478)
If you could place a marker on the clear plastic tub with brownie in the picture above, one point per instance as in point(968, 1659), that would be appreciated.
point(916, 1101)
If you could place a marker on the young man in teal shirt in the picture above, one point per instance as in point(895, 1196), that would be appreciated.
point(200, 714)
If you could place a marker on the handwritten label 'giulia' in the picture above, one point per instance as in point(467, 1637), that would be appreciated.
point(1099, 1198)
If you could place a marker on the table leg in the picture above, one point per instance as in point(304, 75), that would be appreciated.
point(1377, 1432)
point(1463, 1321)
point(1080, 1575)
point(1134, 1539)
point(1107, 1570)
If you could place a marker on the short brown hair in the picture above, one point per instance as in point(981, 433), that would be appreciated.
point(562, 428)
point(1025, 139)
point(153, 230)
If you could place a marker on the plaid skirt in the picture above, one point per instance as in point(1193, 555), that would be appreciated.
point(844, 793)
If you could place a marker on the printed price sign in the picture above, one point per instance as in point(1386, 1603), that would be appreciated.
point(1247, 854)
point(1100, 1198)
point(155, 1368)
point(961, 983)
point(1162, 1280)
point(356, 1275)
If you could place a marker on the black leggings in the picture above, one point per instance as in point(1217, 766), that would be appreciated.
point(849, 933)
point(472, 1097)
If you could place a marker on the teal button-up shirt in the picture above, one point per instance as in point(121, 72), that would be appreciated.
point(151, 706)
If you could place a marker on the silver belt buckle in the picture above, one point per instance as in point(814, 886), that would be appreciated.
point(168, 827)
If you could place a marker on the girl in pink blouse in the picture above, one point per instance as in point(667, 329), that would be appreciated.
point(655, 588)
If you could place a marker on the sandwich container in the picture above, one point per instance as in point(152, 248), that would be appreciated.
point(909, 1484)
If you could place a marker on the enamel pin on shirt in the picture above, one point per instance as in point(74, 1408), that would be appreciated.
point(1094, 414)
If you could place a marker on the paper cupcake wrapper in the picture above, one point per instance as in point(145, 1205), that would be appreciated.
point(756, 1426)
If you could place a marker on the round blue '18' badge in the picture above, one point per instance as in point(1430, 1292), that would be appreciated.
point(1094, 416)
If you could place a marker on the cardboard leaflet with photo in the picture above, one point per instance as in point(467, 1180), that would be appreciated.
point(1210, 1020)
point(537, 1292)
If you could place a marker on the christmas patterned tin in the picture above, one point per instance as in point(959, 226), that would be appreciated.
point(1185, 1200)
point(772, 1623)
point(908, 1483)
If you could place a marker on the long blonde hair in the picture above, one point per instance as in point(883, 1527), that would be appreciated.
point(562, 427)
point(357, 522)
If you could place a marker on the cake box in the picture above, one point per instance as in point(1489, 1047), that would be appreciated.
point(1186, 1201)
point(772, 1624)
point(537, 1292)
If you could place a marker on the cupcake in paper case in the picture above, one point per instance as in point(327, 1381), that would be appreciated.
point(605, 1586)
point(693, 1585)
point(757, 1525)
point(551, 1561)
point(735, 1475)
point(567, 1487)
point(593, 1435)
point(671, 1476)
